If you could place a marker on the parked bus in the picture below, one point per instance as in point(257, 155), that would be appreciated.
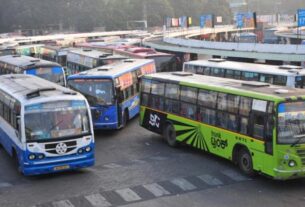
point(284, 75)
point(112, 91)
point(45, 127)
point(79, 60)
point(245, 37)
point(256, 125)
point(50, 71)
point(164, 61)
point(55, 54)
point(7, 51)
point(29, 50)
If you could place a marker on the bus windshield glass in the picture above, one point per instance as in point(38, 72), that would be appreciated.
point(54, 120)
point(163, 63)
point(291, 123)
point(53, 74)
point(97, 91)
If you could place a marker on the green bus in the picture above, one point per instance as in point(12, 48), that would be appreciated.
point(258, 126)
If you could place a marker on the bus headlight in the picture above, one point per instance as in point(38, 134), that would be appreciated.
point(41, 156)
point(292, 163)
point(80, 151)
point(32, 157)
point(106, 118)
point(88, 149)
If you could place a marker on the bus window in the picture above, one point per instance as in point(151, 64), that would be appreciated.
point(172, 91)
point(249, 76)
point(233, 103)
point(229, 73)
point(232, 122)
point(172, 106)
point(188, 110)
point(280, 80)
point(258, 125)
point(244, 126)
point(207, 116)
point(157, 88)
point(207, 98)
point(222, 102)
point(188, 94)
point(299, 82)
point(144, 99)
point(237, 75)
point(245, 106)
point(207, 71)
point(266, 78)
point(217, 72)
point(156, 102)
point(222, 120)
point(145, 86)
point(200, 70)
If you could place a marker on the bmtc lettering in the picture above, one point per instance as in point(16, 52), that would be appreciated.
point(154, 120)
point(216, 141)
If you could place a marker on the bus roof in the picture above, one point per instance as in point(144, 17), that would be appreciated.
point(249, 67)
point(95, 54)
point(140, 52)
point(255, 89)
point(28, 87)
point(26, 61)
point(112, 70)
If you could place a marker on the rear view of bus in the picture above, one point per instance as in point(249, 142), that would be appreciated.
point(112, 91)
point(51, 71)
point(45, 127)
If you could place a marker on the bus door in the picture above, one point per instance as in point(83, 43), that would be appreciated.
point(299, 81)
point(261, 131)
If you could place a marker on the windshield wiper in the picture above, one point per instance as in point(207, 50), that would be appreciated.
point(299, 138)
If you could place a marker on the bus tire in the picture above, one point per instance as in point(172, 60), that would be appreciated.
point(170, 135)
point(16, 160)
point(245, 162)
point(125, 118)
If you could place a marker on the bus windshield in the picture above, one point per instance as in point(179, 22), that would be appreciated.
point(163, 63)
point(53, 74)
point(291, 123)
point(97, 91)
point(54, 120)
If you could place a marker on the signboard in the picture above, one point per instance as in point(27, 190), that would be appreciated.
point(148, 69)
point(246, 20)
point(301, 17)
point(207, 21)
point(259, 105)
point(125, 81)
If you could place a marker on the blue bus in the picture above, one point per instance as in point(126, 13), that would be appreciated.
point(11, 64)
point(112, 91)
point(45, 127)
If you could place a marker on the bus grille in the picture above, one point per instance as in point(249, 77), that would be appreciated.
point(51, 148)
point(301, 153)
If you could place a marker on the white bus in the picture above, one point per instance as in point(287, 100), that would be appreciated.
point(45, 127)
point(284, 75)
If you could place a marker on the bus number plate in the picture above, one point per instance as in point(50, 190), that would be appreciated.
point(64, 167)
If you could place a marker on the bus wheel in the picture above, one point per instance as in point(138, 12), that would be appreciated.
point(16, 160)
point(170, 135)
point(245, 162)
point(125, 118)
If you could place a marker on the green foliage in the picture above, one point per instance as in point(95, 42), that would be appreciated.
point(84, 15)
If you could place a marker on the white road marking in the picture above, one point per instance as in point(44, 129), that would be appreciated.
point(112, 166)
point(64, 203)
point(210, 180)
point(156, 189)
point(128, 195)
point(183, 184)
point(97, 200)
point(235, 175)
point(5, 185)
